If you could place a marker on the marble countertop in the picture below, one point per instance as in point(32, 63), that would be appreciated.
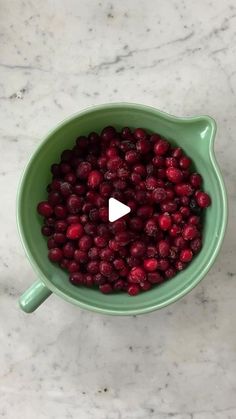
point(62, 362)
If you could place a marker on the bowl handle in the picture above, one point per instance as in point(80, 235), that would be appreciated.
point(34, 296)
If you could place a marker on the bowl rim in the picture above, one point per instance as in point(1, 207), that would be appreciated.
point(105, 106)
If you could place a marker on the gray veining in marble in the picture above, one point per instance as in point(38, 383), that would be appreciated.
point(57, 57)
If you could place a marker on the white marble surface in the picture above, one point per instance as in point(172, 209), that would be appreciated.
point(56, 58)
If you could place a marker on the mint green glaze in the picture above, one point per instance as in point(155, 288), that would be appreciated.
point(34, 296)
point(196, 136)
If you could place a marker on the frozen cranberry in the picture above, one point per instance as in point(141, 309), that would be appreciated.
point(65, 168)
point(70, 178)
point(108, 133)
point(185, 211)
point(90, 229)
point(79, 189)
point(131, 157)
point(174, 175)
point(177, 152)
point(175, 230)
point(93, 253)
point(194, 219)
point(185, 200)
point(177, 217)
point(180, 265)
point(189, 232)
point(106, 254)
point(99, 279)
point(105, 189)
point(59, 238)
point(55, 169)
point(184, 162)
point(94, 179)
point(139, 169)
point(140, 134)
point(45, 209)
point(105, 288)
point(145, 211)
point(126, 133)
point(137, 249)
point(168, 206)
point(137, 275)
point(163, 248)
point(184, 189)
point(93, 267)
point(196, 245)
point(68, 250)
point(74, 204)
point(60, 211)
point(145, 286)
point(94, 214)
point(83, 170)
point(171, 162)
point(77, 278)
point(119, 264)
point(85, 242)
point(55, 254)
point(105, 268)
point(186, 255)
point(114, 245)
point(51, 243)
point(161, 147)
point(151, 251)
point(136, 224)
point(150, 265)
point(133, 289)
point(155, 278)
point(179, 242)
point(100, 241)
point(151, 227)
point(195, 180)
point(159, 195)
point(203, 200)
point(74, 231)
point(169, 193)
point(143, 146)
point(80, 256)
point(169, 273)
point(165, 222)
point(47, 231)
point(73, 266)
point(158, 161)
point(123, 238)
point(163, 264)
point(60, 226)
point(119, 285)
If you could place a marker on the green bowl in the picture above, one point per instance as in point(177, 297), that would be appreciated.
point(196, 136)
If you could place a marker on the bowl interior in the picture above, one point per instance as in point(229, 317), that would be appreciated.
point(194, 135)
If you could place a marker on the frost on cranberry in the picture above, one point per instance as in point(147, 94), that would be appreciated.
point(156, 240)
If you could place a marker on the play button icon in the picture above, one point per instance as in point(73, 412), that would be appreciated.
point(116, 209)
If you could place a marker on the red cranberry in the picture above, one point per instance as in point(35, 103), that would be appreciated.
point(177, 217)
point(133, 289)
point(175, 230)
point(180, 265)
point(163, 264)
point(163, 248)
point(114, 163)
point(185, 200)
point(47, 231)
point(123, 238)
point(79, 189)
point(151, 251)
point(203, 200)
point(137, 249)
point(94, 179)
point(136, 224)
point(80, 256)
point(60, 211)
point(171, 162)
point(90, 229)
point(108, 133)
point(184, 162)
point(189, 232)
point(186, 255)
point(151, 227)
point(177, 152)
point(158, 161)
point(165, 222)
point(65, 168)
point(83, 170)
point(169, 273)
point(195, 180)
point(105, 189)
point(93, 253)
point(168, 206)
point(139, 169)
point(85, 242)
point(59, 238)
point(185, 211)
point(54, 198)
point(107, 254)
point(143, 146)
point(184, 189)
point(155, 278)
point(196, 245)
point(174, 175)
point(68, 250)
point(179, 242)
point(119, 285)
point(45, 209)
point(140, 134)
point(77, 278)
point(150, 265)
point(51, 243)
point(93, 267)
point(105, 268)
point(73, 266)
point(60, 226)
point(111, 152)
point(74, 231)
point(145, 211)
point(118, 225)
point(194, 219)
point(114, 245)
point(126, 133)
point(94, 214)
point(161, 147)
point(55, 169)
point(169, 193)
point(55, 254)
point(100, 241)
point(159, 195)
point(131, 157)
point(119, 264)
point(145, 286)
point(137, 275)
point(105, 288)
point(74, 204)
point(99, 279)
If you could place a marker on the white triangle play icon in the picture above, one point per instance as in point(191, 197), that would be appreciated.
point(116, 209)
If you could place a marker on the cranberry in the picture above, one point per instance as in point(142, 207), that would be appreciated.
point(60, 211)
point(150, 265)
point(93, 253)
point(123, 238)
point(126, 133)
point(55, 169)
point(194, 219)
point(100, 241)
point(145, 286)
point(171, 162)
point(51, 243)
point(137, 275)
point(189, 232)
point(65, 168)
point(161, 147)
point(139, 169)
point(143, 146)
point(108, 133)
point(77, 278)
point(107, 254)
point(47, 231)
point(74, 231)
point(158, 161)
point(119, 285)
point(155, 278)
point(105, 288)
point(114, 245)
point(168, 206)
point(140, 134)
point(73, 266)
point(119, 264)
point(45, 209)
point(179, 242)
point(79, 189)
point(180, 265)
point(94, 179)
point(131, 157)
point(159, 195)
point(55, 254)
point(186, 255)
point(169, 273)
point(90, 229)
point(99, 279)
point(184, 162)
point(59, 238)
point(60, 226)
point(68, 250)
point(177, 152)
point(133, 289)
point(136, 224)
point(88, 280)
point(145, 211)
point(165, 222)
point(105, 268)
point(83, 170)
point(185, 211)
point(203, 200)
point(195, 180)
point(175, 230)
point(81, 256)
point(151, 227)
point(196, 245)
point(105, 189)
point(94, 214)
point(174, 175)
point(85, 242)
point(137, 249)
point(184, 189)
point(151, 251)
point(163, 248)
point(74, 204)
point(177, 217)
point(163, 264)
point(93, 267)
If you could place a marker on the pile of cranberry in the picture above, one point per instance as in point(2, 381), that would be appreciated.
point(160, 235)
